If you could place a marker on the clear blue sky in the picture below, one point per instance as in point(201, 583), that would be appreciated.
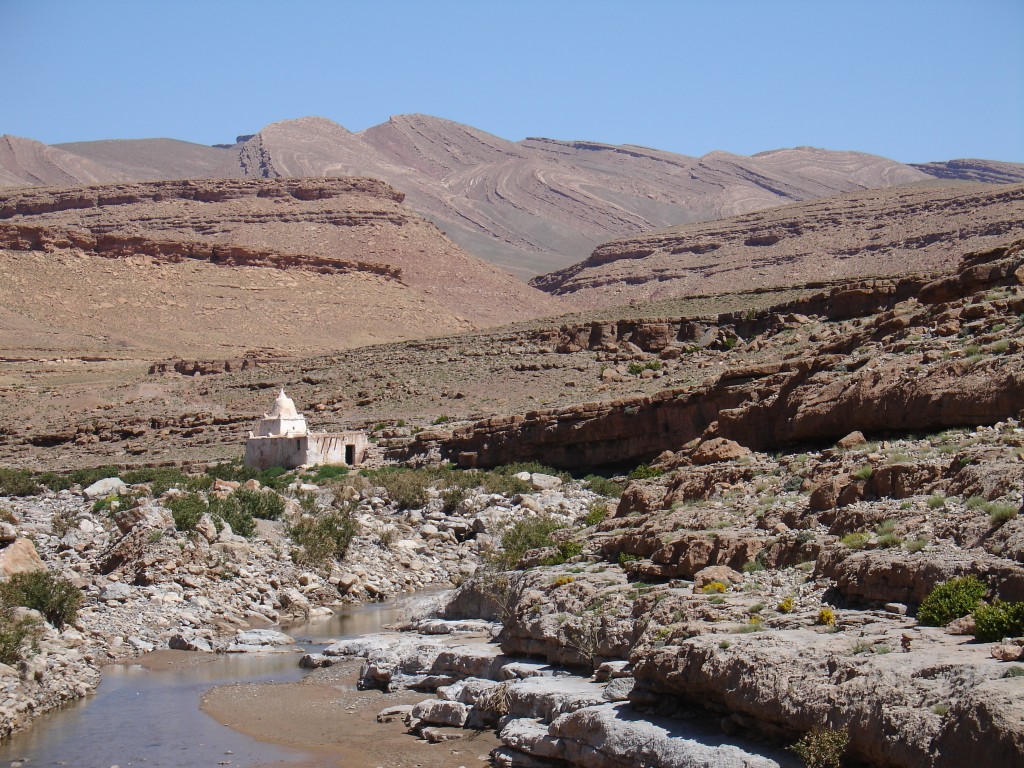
point(908, 79)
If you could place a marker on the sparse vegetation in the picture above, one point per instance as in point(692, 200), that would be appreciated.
point(19, 636)
point(714, 587)
point(263, 505)
point(645, 472)
point(603, 486)
point(855, 540)
point(951, 600)
point(187, 510)
point(936, 501)
point(596, 514)
point(322, 538)
point(523, 535)
point(826, 616)
point(56, 598)
point(865, 472)
point(17, 482)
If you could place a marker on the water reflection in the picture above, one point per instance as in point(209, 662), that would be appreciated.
point(152, 717)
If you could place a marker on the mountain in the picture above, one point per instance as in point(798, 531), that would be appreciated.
point(987, 171)
point(156, 159)
point(529, 206)
point(538, 203)
point(25, 162)
point(877, 232)
point(221, 267)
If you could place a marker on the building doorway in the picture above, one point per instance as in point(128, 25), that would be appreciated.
point(350, 455)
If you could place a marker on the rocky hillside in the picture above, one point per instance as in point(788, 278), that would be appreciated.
point(917, 353)
point(230, 266)
point(880, 232)
point(988, 171)
point(530, 206)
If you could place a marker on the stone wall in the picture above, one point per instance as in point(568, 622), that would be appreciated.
point(267, 452)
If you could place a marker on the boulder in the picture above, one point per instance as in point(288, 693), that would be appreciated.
point(19, 557)
point(190, 641)
point(542, 482)
point(108, 486)
point(852, 440)
point(718, 449)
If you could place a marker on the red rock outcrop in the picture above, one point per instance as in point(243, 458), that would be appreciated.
point(820, 395)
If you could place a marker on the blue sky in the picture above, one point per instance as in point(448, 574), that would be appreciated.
point(908, 79)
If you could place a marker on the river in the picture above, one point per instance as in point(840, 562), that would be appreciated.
point(151, 717)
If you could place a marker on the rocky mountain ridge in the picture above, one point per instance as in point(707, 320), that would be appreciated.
point(529, 206)
point(877, 232)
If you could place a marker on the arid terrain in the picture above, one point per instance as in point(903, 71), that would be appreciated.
point(880, 232)
point(744, 492)
point(530, 206)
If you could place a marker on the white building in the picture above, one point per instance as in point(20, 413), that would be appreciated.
point(282, 440)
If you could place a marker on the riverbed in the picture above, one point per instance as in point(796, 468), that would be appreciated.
point(148, 713)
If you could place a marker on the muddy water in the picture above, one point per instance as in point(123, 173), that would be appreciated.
point(150, 716)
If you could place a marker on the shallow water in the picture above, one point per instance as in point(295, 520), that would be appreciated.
point(142, 717)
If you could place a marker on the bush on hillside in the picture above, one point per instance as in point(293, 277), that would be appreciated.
point(53, 596)
point(951, 600)
point(19, 637)
point(994, 622)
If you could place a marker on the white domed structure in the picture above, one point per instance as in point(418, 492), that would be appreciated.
point(283, 420)
point(282, 440)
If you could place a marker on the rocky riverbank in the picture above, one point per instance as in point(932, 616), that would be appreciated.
point(738, 604)
point(147, 585)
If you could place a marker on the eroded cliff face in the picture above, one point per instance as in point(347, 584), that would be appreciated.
point(349, 263)
point(914, 354)
point(879, 232)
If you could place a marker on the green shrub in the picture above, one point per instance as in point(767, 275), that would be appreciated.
point(822, 747)
point(1015, 671)
point(186, 510)
point(1000, 514)
point(17, 482)
point(232, 510)
point(405, 487)
point(951, 600)
point(53, 596)
point(441, 420)
point(596, 514)
point(19, 638)
point(999, 620)
point(644, 472)
point(566, 550)
point(523, 535)
point(855, 540)
point(753, 566)
point(794, 485)
point(326, 473)
point(603, 486)
point(263, 505)
point(160, 479)
point(865, 472)
point(936, 501)
point(323, 538)
point(627, 557)
point(915, 545)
